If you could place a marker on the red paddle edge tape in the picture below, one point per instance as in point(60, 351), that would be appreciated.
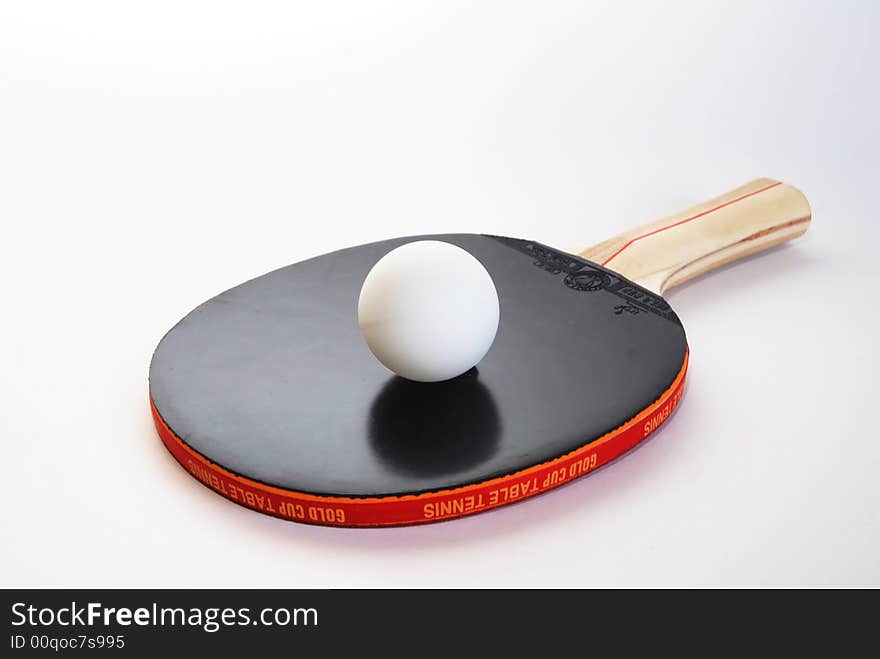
point(428, 506)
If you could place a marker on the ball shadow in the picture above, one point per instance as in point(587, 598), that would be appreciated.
point(425, 429)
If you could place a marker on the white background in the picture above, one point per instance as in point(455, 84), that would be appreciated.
point(152, 157)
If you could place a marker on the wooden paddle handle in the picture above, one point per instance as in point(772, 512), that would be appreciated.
point(744, 221)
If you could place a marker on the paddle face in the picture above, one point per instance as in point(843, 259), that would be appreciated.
point(268, 394)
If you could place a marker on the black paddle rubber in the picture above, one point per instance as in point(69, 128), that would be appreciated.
point(268, 391)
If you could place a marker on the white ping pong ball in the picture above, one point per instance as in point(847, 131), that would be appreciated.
point(428, 311)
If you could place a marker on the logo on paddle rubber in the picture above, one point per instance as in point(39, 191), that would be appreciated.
point(587, 277)
point(587, 280)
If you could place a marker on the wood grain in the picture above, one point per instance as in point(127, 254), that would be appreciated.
point(668, 252)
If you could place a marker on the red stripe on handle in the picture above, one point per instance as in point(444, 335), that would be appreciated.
point(690, 219)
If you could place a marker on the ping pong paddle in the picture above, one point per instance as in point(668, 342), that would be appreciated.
point(268, 394)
